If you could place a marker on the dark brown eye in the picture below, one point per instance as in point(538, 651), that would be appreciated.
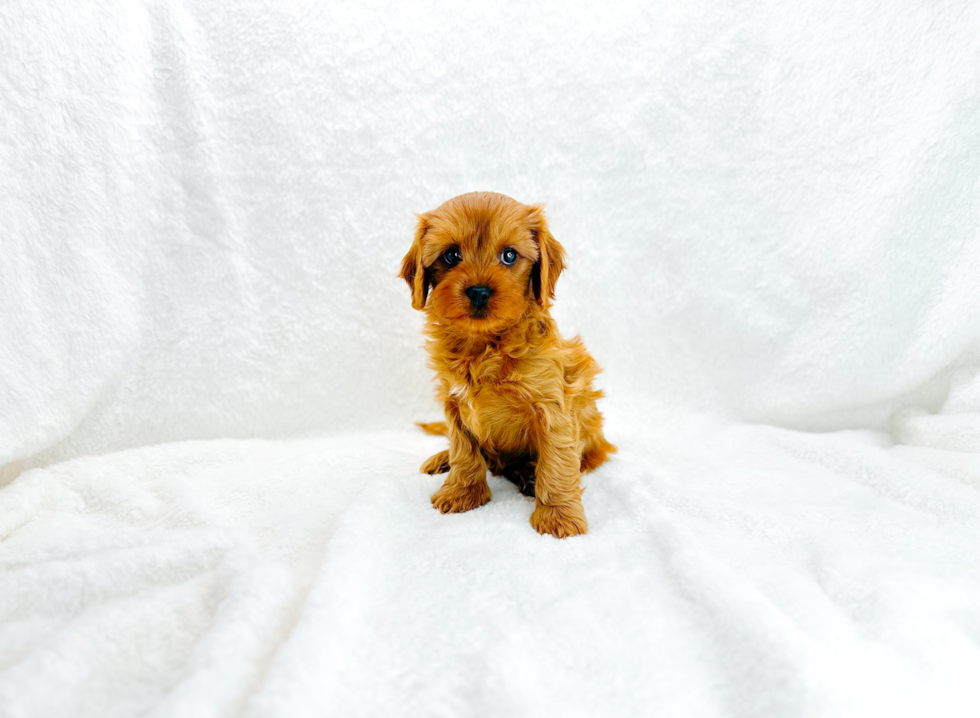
point(508, 256)
point(452, 257)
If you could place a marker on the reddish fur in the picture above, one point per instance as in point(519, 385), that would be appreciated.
point(436, 428)
point(513, 389)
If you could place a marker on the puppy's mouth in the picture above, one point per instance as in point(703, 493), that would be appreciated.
point(478, 313)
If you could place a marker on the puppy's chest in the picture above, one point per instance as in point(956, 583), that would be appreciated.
point(495, 408)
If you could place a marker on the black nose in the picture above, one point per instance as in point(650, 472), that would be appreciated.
point(479, 295)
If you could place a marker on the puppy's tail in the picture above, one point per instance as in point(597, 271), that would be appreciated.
point(436, 428)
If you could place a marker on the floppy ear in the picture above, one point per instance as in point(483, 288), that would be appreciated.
point(413, 269)
point(551, 258)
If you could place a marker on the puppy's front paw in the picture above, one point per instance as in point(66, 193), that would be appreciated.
point(560, 521)
point(457, 499)
point(436, 464)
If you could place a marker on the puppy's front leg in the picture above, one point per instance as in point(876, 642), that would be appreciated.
point(557, 489)
point(466, 486)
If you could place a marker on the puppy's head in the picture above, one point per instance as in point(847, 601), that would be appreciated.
point(479, 259)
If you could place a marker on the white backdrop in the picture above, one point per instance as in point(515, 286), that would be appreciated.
point(772, 216)
point(771, 210)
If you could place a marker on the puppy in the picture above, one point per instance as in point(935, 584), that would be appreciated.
point(518, 397)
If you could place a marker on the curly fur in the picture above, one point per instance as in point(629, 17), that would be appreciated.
point(518, 397)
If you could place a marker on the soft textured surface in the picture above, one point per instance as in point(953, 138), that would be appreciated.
point(729, 570)
point(770, 210)
point(772, 216)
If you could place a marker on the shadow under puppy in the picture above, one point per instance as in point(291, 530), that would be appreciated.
point(518, 397)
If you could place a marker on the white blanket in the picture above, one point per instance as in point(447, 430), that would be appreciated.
point(209, 502)
point(729, 570)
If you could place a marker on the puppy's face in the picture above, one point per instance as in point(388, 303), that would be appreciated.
point(479, 259)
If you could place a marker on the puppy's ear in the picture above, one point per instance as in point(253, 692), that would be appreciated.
point(413, 269)
point(551, 257)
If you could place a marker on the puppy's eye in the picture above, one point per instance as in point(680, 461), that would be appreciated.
point(508, 256)
point(452, 257)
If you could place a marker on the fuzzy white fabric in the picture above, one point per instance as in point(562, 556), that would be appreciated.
point(772, 216)
point(729, 570)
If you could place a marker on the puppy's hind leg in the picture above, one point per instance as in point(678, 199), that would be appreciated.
point(595, 449)
point(519, 470)
point(521, 475)
point(436, 464)
point(596, 453)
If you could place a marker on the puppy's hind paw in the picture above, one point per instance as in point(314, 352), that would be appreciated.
point(436, 464)
point(457, 499)
point(522, 476)
point(560, 521)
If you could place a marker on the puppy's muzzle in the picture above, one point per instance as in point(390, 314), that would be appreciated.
point(479, 295)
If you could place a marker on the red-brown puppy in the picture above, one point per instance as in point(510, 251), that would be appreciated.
point(518, 398)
